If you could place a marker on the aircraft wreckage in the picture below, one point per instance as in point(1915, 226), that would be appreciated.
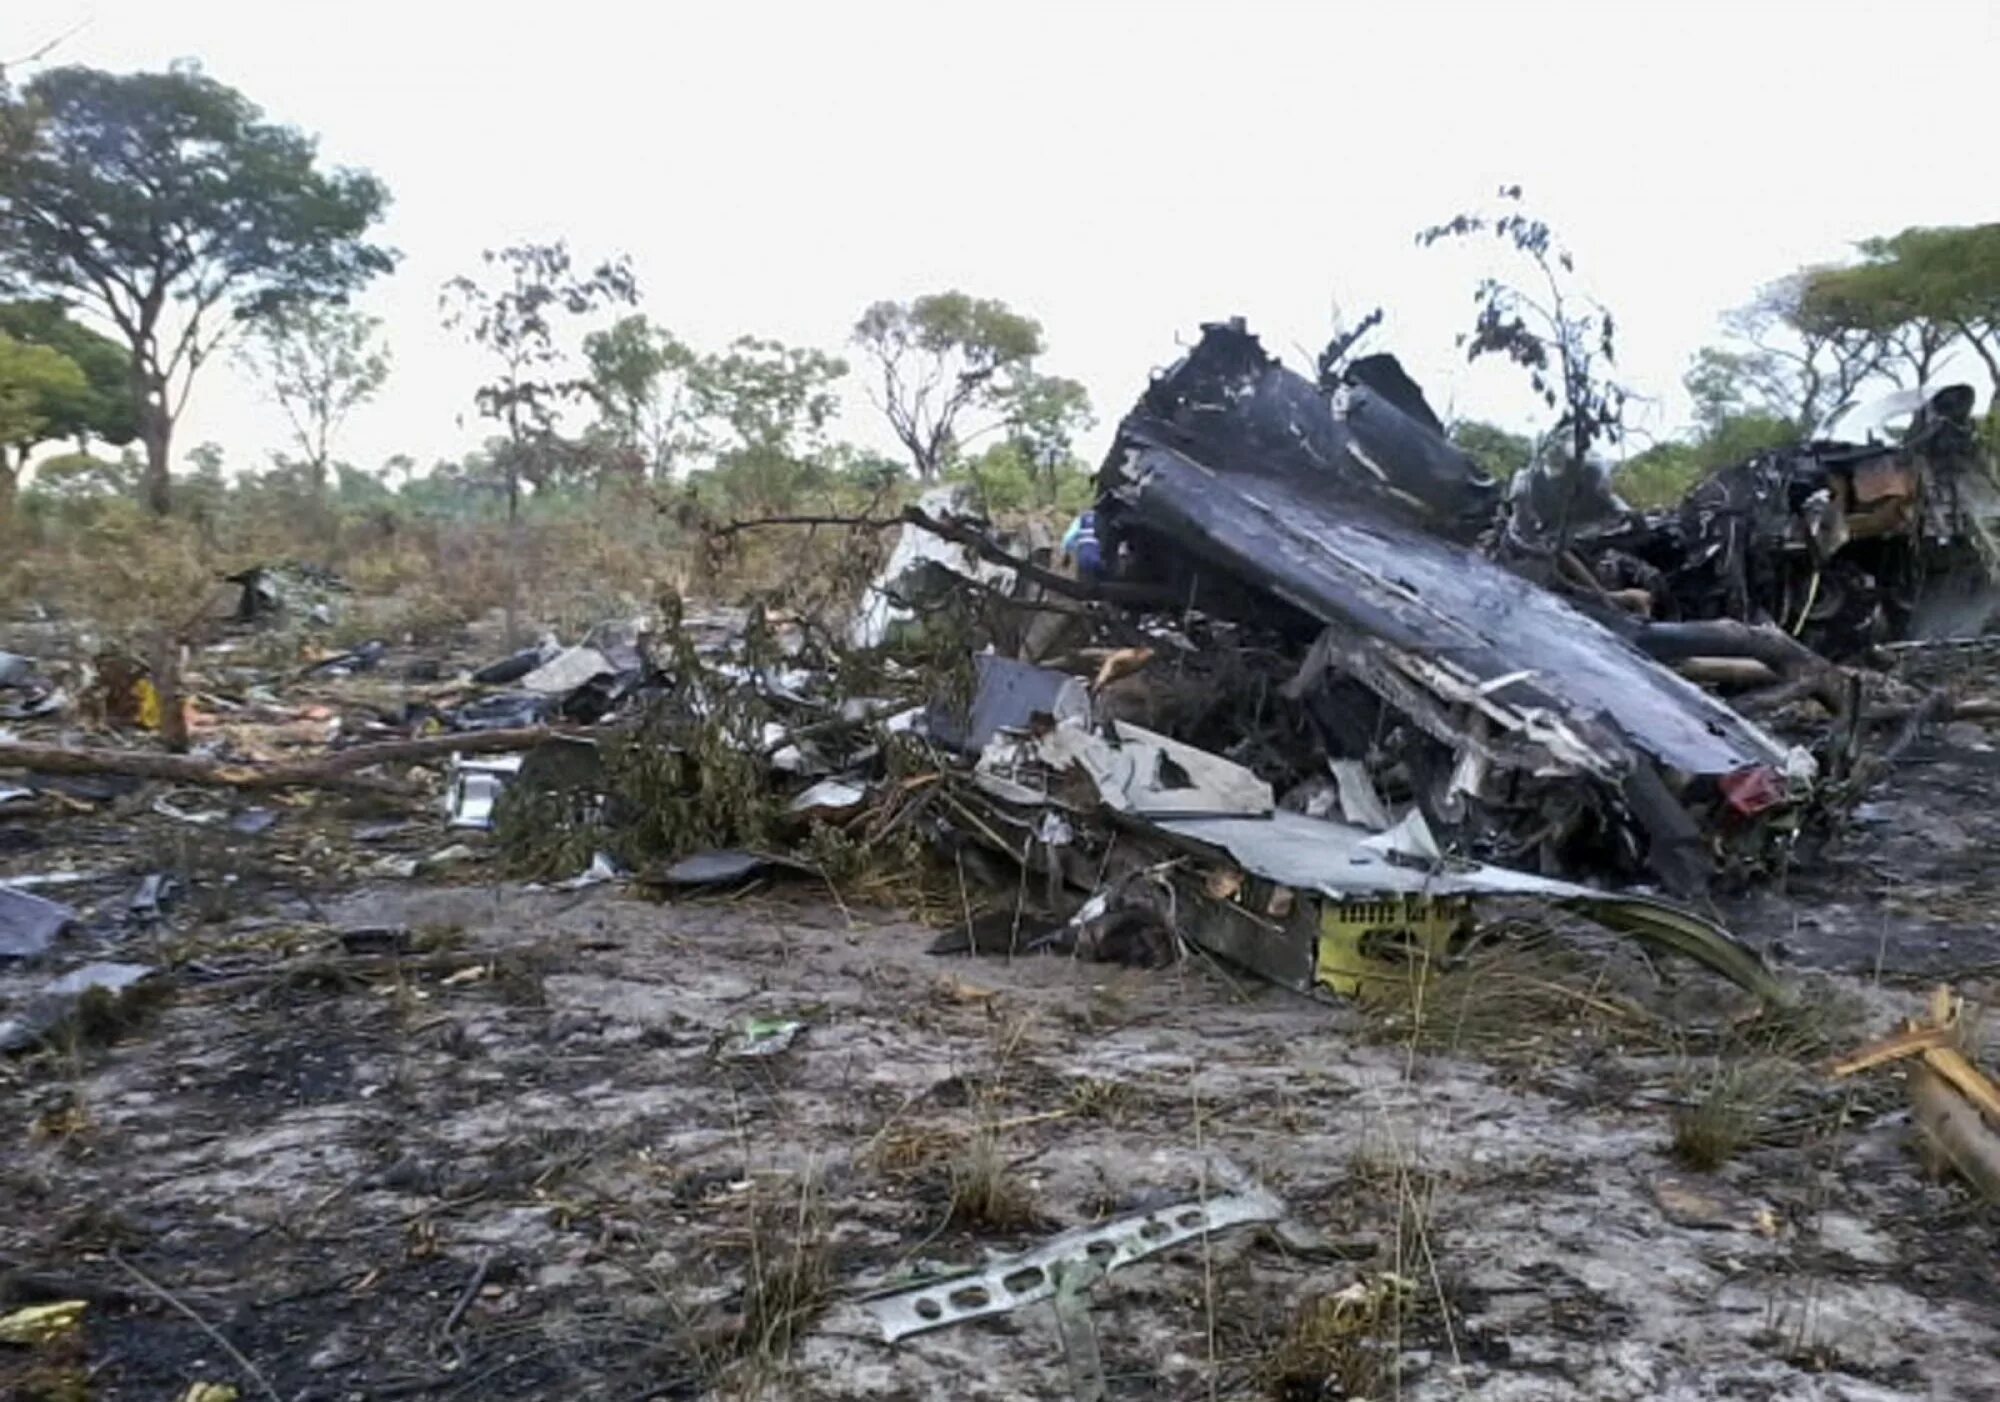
point(1313, 683)
point(1511, 716)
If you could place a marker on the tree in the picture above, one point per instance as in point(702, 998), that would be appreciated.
point(83, 477)
point(941, 357)
point(200, 493)
point(768, 394)
point(515, 322)
point(1560, 336)
point(1924, 288)
point(1500, 454)
point(31, 378)
point(207, 458)
point(1741, 437)
point(768, 404)
point(1795, 359)
point(868, 471)
point(319, 360)
point(641, 377)
point(1662, 474)
point(103, 410)
point(172, 209)
point(1045, 413)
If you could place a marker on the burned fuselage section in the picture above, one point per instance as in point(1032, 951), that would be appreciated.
point(1842, 545)
point(1519, 724)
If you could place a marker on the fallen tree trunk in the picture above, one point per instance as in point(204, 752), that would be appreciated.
point(339, 769)
point(1955, 1130)
point(969, 535)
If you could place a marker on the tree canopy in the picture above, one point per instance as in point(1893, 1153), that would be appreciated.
point(102, 408)
point(770, 396)
point(319, 360)
point(31, 379)
point(514, 317)
point(1923, 289)
point(641, 377)
point(1500, 454)
point(58, 380)
point(168, 206)
point(1789, 357)
point(942, 358)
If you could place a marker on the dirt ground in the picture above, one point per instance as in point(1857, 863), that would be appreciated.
point(448, 1137)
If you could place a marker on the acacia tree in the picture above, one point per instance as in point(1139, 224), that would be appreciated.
point(514, 320)
point(167, 206)
point(942, 358)
point(1923, 289)
point(1792, 359)
point(1563, 338)
point(319, 360)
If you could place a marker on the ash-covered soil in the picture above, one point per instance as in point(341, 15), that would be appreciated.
point(510, 1150)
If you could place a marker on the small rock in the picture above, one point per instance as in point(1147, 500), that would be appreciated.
point(337, 1351)
point(1709, 1206)
point(1967, 735)
point(1855, 1239)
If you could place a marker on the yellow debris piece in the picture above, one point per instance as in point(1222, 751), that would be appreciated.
point(1397, 939)
point(38, 1324)
point(149, 702)
point(209, 1392)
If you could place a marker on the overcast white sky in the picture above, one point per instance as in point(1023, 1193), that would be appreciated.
point(1121, 171)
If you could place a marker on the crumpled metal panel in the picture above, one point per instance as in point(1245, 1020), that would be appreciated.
point(1344, 863)
point(1373, 440)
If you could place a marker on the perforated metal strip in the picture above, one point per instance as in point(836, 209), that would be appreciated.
point(1013, 1281)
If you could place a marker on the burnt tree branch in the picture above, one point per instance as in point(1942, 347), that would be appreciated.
point(340, 769)
point(965, 533)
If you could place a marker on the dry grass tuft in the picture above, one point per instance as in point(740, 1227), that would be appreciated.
point(987, 1192)
point(1092, 1099)
point(743, 1348)
point(1730, 1106)
point(1519, 996)
point(790, 1282)
point(905, 1150)
point(103, 1017)
point(1339, 1345)
point(1751, 1082)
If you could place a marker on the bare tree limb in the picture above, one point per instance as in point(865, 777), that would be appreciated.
point(859, 523)
point(969, 535)
point(46, 49)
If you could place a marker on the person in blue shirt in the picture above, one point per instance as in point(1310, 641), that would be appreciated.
point(1079, 542)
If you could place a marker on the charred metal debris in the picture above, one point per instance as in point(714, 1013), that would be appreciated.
point(1305, 687)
